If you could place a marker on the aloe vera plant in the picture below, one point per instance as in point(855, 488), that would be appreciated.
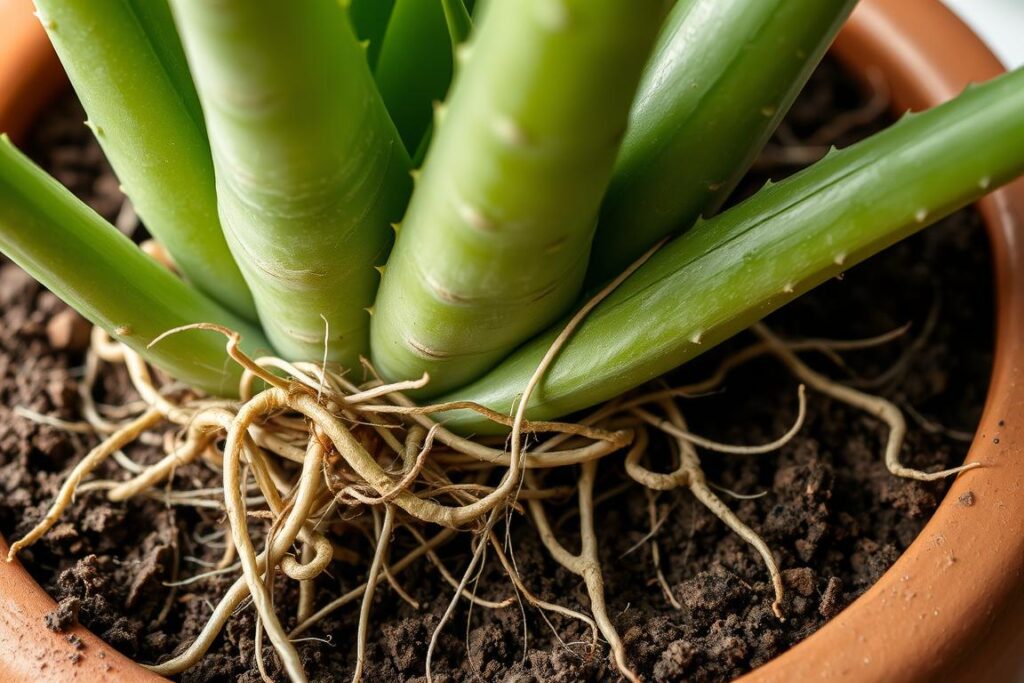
point(274, 148)
point(493, 246)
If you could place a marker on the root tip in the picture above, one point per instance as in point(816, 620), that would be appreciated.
point(777, 611)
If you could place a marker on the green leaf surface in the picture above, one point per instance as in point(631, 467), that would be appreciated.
point(494, 245)
point(722, 76)
point(104, 276)
point(310, 170)
point(370, 21)
point(415, 66)
point(729, 272)
point(127, 66)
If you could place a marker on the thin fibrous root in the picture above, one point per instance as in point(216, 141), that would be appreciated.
point(586, 564)
point(732, 449)
point(211, 630)
point(435, 559)
point(66, 495)
point(707, 497)
point(376, 570)
point(325, 454)
point(302, 502)
point(690, 474)
point(652, 517)
point(235, 506)
point(512, 479)
point(873, 405)
point(533, 599)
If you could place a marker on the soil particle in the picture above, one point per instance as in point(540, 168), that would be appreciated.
point(966, 499)
point(63, 616)
point(832, 598)
point(832, 514)
point(67, 330)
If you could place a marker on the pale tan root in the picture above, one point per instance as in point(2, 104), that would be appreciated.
point(690, 474)
point(873, 405)
point(652, 516)
point(65, 496)
point(586, 564)
point(438, 540)
point(512, 479)
point(364, 447)
point(718, 447)
point(304, 498)
point(533, 599)
point(435, 559)
point(376, 569)
point(235, 508)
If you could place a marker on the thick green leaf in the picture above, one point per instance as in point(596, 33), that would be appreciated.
point(494, 245)
point(415, 66)
point(103, 275)
point(728, 272)
point(127, 66)
point(310, 170)
point(370, 21)
point(722, 76)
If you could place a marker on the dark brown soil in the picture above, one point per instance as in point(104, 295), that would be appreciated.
point(833, 515)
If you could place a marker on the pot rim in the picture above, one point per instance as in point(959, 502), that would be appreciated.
point(908, 626)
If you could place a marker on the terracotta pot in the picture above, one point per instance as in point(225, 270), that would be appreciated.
point(950, 604)
point(30, 74)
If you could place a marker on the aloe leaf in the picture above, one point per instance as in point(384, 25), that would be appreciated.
point(370, 21)
point(459, 22)
point(494, 245)
point(127, 66)
point(459, 27)
point(310, 170)
point(722, 76)
point(104, 276)
point(728, 272)
point(414, 68)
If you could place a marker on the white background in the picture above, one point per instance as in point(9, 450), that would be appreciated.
point(999, 22)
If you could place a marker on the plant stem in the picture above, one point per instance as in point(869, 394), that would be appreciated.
point(128, 69)
point(100, 273)
point(722, 76)
point(310, 170)
point(494, 245)
point(727, 273)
